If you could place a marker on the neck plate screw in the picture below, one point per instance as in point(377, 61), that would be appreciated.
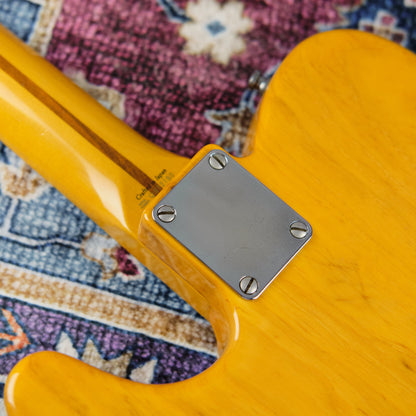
point(298, 229)
point(249, 285)
point(166, 213)
point(218, 161)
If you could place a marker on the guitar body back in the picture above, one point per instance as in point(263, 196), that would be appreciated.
point(335, 333)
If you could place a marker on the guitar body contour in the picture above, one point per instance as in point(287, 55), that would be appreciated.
point(335, 334)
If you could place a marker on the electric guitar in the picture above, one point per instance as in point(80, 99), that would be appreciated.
point(335, 139)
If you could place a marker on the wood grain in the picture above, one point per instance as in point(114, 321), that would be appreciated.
point(134, 171)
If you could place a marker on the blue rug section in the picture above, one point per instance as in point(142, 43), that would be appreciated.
point(67, 263)
point(46, 234)
point(406, 17)
point(19, 16)
point(1, 389)
point(4, 208)
point(73, 226)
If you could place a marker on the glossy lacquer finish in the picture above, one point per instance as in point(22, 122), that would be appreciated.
point(335, 334)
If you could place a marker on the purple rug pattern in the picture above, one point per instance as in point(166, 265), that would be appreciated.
point(177, 72)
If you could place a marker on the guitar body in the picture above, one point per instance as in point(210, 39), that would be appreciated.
point(335, 334)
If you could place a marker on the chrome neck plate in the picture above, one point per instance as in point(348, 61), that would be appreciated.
point(232, 223)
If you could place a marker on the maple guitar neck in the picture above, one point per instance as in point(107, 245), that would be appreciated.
point(77, 142)
point(334, 334)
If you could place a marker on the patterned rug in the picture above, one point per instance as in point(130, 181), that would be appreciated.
point(177, 72)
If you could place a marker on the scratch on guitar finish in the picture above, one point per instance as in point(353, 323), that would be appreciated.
point(80, 127)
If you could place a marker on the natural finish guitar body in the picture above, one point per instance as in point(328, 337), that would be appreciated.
point(335, 334)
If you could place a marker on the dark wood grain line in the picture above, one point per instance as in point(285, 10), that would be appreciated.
point(80, 127)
